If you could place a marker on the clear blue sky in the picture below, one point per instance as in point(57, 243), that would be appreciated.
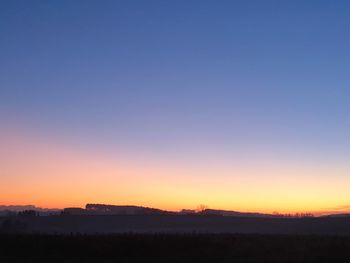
point(182, 78)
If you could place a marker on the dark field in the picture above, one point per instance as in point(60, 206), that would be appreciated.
point(173, 248)
point(167, 224)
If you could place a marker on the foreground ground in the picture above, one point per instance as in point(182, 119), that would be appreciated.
point(173, 248)
point(174, 224)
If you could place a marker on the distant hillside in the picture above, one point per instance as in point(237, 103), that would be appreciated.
point(234, 213)
point(104, 209)
point(123, 209)
point(18, 208)
point(338, 215)
point(107, 209)
point(8, 209)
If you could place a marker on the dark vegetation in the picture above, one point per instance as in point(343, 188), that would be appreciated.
point(173, 248)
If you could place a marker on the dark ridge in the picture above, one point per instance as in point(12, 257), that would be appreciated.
point(123, 210)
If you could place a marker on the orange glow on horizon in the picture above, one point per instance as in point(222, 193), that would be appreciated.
point(56, 176)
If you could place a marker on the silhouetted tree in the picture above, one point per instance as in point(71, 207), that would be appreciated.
point(201, 208)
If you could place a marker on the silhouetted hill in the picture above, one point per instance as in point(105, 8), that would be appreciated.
point(124, 210)
point(338, 215)
point(17, 208)
point(13, 209)
point(234, 213)
point(103, 209)
point(107, 209)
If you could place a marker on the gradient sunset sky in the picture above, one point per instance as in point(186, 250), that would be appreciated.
point(241, 105)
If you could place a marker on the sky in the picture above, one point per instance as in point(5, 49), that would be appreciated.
point(240, 105)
